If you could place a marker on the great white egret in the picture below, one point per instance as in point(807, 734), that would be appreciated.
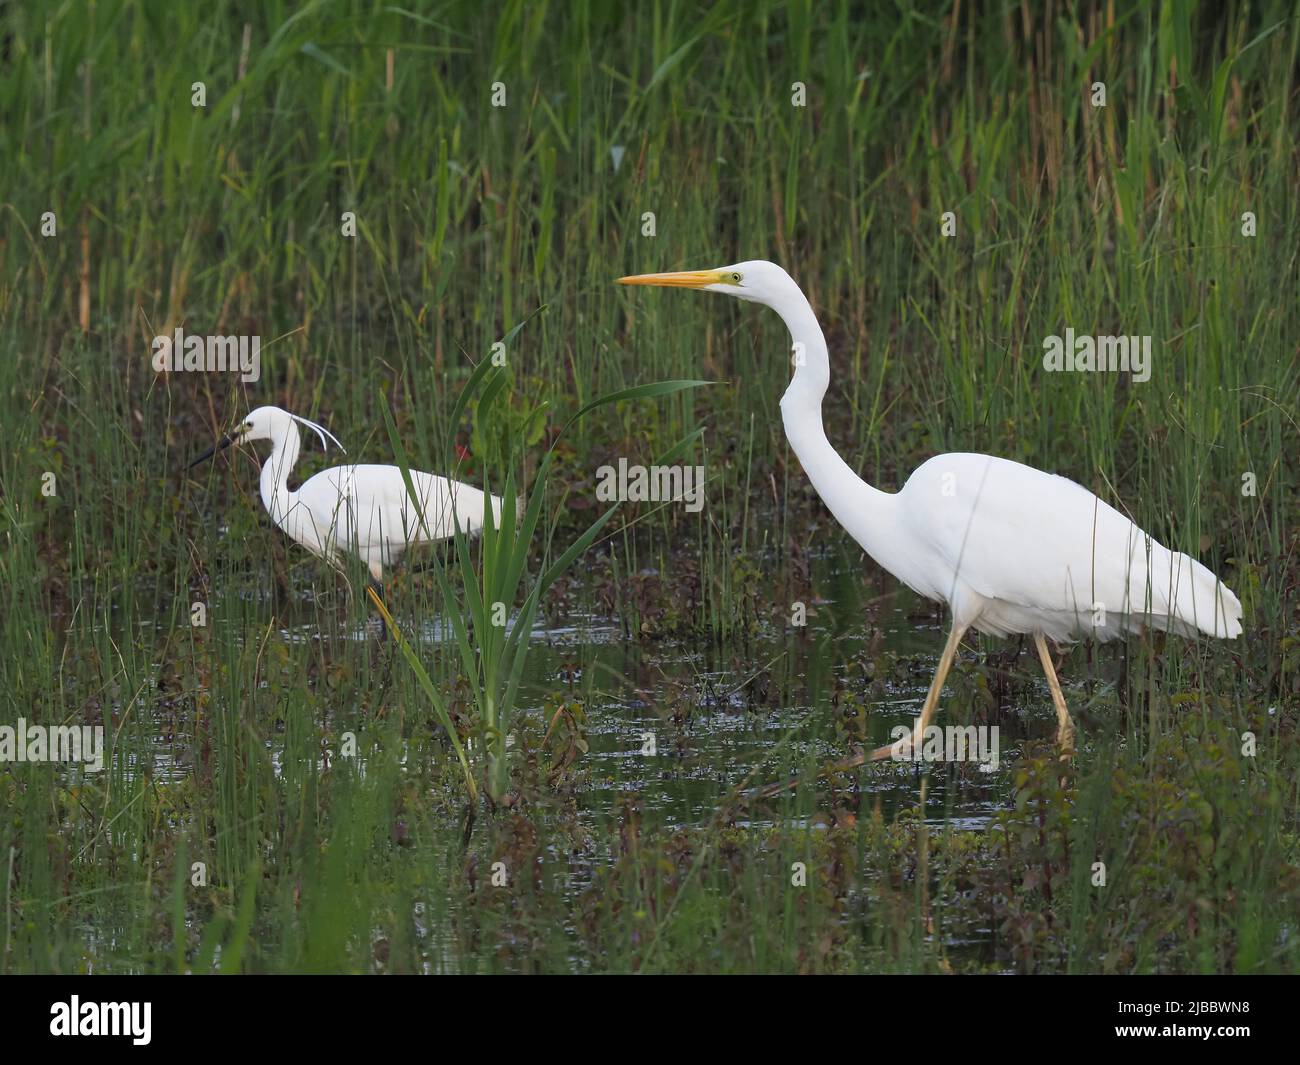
point(1009, 548)
point(362, 510)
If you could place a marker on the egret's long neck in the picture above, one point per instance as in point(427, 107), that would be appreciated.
point(276, 496)
point(864, 511)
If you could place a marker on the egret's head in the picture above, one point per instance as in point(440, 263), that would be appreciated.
point(757, 281)
point(270, 423)
point(266, 423)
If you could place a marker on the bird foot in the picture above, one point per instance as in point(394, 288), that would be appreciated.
point(898, 750)
point(1065, 741)
point(773, 790)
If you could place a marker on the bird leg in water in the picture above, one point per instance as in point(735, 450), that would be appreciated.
point(899, 747)
point(1064, 726)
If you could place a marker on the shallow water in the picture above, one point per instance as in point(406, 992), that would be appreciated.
point(725, 718)
point(713, 735)
point(696, 698)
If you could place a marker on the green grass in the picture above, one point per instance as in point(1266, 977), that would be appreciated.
point(476, 224)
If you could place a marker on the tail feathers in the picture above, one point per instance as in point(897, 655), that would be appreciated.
point(470, 511)
point(1200, 601)
point(498, 504)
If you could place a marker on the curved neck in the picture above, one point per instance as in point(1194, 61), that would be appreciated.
point(276, 496)
point(861, 509)
point(812, 367)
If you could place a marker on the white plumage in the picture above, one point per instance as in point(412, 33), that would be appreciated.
point(1009, 548)
point(361, 510)
point(1016, 550)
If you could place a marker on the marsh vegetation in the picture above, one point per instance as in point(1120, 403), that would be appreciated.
point(285, 790)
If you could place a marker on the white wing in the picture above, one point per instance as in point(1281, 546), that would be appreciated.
point(1023, 551)
point(367, 511)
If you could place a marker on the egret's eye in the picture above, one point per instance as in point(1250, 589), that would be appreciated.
point(734, 277)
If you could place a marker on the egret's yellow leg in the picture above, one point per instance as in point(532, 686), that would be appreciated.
point(1064, 726)
point(900, 747)
point(927, 712)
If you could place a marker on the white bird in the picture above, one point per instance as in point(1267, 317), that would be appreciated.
point(360, 510)
point(1009, 548)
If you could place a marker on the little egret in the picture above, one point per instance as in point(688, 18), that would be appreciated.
point(1010, 549)
point(361, 510)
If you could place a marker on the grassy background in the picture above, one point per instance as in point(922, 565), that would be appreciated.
point(227, 219)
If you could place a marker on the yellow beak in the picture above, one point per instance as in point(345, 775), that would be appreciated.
point(681, 279)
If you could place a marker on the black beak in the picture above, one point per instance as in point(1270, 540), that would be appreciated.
point(221, 445)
